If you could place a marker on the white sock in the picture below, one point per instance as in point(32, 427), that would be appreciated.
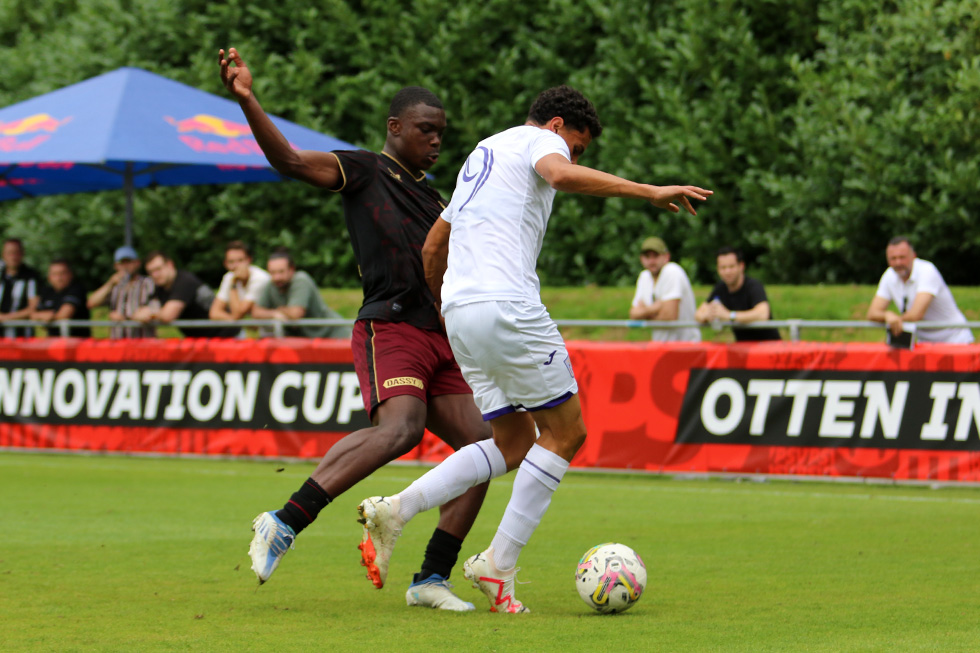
point(536, 480)
point(471, 465)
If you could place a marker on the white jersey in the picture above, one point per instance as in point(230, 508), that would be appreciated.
point(499, 213)
point(671, 283)
point(925, 277)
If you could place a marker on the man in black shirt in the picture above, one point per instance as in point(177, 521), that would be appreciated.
point(63, 299)
point(179, 295)
point(408, 376)
point(19, 287)
point(737, 299)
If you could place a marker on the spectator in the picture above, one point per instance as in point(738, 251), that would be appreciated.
point(125, 291)
point(293, 295)
point(737, 298)
point(179, 295)
point(240, 286)
point(63, 299)
point(19, 286)
point(663, 293)
point(918, 290)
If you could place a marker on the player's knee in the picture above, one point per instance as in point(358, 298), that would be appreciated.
point(569, 441)
point(401, 436)
point(575, 440)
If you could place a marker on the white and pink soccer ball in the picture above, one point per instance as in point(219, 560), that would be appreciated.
point(610, 578)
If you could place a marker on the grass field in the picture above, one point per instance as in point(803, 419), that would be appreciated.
point(144, 554)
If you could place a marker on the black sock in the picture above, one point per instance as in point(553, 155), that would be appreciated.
point(303, 507)
point(440, 555)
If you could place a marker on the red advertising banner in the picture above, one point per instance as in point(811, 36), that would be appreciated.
point(808, 409)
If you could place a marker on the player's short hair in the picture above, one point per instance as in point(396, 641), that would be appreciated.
point(61, 261)
point(238, 244)
point(410, 96)
point(898, 240)
point(283, 253)
point(15, 241)
point(728, 249)
point(570, 105)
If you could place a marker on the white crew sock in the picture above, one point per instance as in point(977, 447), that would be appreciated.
point(536, 480)
point(471, 465)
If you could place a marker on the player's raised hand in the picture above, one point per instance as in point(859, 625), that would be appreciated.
point(237, 79)
point(667, 197)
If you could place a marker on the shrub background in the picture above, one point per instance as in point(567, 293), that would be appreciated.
point(824, 127)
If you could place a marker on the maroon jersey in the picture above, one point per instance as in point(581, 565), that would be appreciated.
point(389, 214)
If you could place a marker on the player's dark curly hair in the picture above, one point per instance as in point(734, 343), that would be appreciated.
point(565, 102)
point(409, 96)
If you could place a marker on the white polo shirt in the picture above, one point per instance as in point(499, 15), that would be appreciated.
point(671, 283)
point(925, 277)
point(499, 213)
point(257, 280)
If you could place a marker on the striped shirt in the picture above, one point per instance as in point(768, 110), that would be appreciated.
point(15, 292)
point(124, 299)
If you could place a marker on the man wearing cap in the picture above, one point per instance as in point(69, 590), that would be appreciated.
point(124, 292)
point(664, 293)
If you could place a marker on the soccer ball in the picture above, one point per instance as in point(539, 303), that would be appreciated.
point(610, 577)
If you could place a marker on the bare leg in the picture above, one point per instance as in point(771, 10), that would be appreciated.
point(399, 423)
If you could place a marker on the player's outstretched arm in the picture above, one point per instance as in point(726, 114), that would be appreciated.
point(568, 177)
point(316, 168)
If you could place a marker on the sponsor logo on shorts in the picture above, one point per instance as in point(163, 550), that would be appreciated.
point(404, 380)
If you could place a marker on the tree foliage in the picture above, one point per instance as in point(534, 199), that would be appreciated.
point(823, 127)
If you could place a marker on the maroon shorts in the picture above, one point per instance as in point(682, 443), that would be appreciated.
point(394, 358)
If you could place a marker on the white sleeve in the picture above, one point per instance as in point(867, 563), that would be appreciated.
point(644, 289)
point(257, 279)
point(930, 281)
point(883, 290)
point(671, 283)
point(224, 290)
point(547, 143)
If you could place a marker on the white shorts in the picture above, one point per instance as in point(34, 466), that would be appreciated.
point(512, 356)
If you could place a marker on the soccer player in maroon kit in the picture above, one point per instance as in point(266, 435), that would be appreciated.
point(408, 376)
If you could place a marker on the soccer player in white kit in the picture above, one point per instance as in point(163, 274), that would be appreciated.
point(509, 349)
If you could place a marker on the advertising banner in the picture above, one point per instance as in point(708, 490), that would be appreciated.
point(806, 409)
point(809, 409)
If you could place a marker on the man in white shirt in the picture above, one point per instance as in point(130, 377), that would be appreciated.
point(664, 293)
point(241, 285)
point(480, 259)
point(918, 290)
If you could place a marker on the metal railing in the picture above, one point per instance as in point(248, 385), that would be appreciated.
point(278, 327)
point(793, 325)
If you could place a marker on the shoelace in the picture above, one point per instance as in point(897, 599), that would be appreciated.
point(280, 540)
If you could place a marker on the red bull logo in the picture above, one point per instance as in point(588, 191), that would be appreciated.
point(28, 132)
point(205, 133)
point(206, 124)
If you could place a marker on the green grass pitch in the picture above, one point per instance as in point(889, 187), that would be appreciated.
point(143, 554)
